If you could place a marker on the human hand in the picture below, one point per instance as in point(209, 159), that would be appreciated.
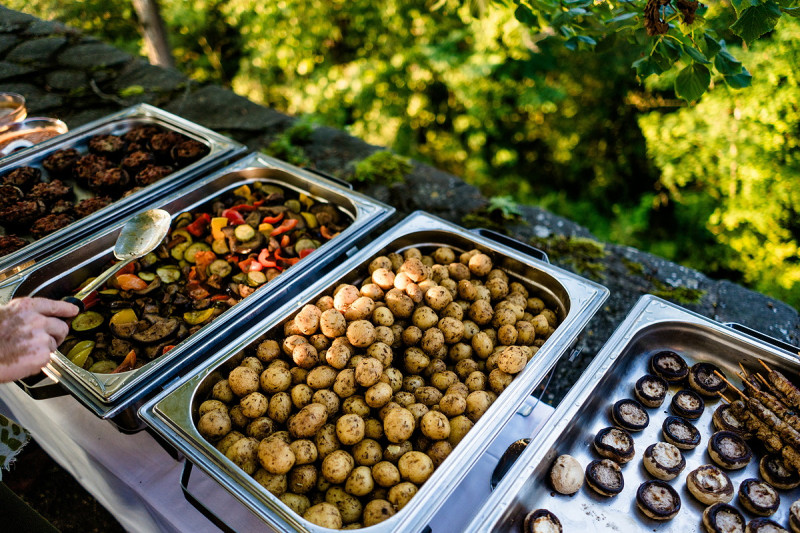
point(30, 330)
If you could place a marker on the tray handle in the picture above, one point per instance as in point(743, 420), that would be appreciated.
point(792, 349)
point(41, 391)
point(321, 173)
point(512, 243)
point(186, 473)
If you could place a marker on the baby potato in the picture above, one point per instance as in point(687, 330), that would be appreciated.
point(453, 404)
point(415, 360)
point(465, 367)
point(435, 425)
point(332, 323)
point(507, 334)
point(376, 511)
point(400, 304)
point(497, 273)
point(452, 329)
point(392, 377)
point(460, 351)
point(307, 320)
point(439, 297)
point(350, 507)
point(329, 399)
point(436, 365)
point(275, 378)
point(476, 381)
point(305, 356)
point(382, 352)
point(321, 377)
point(222, 391)
point(512, 359)
point(433, 342)
point(360, 309)
point(367, 452)
point(413, 382)
point(268, 350)
point(368, 371)
point(393, 452)
point(418, 410)
point(290, 328)
point(372, 291)
point(534, 305)
point(480, 264)
point(275, 455)
point(444, 255)
point(401, 281)
point(499, 380)
point(350, 429)
point(415, 292)
point(385, 474)
point(361, 333)
point(324, 514)
point(444, 379)
point(428, 395)
point(226, 441)
point(302, 479)
point(339, 353)
point(301, 395)
point(503, 316)
point(398, 425)
point(211, 405)
point(459, 426)
point(254, 405)
point(438, 452)
point(305, 452)
point(345, 384)
point(383, 278)
point(458, 271)
point(319, 341)
point(214, 425)
point(244, 454)
point(481, 312)
point(401, 494)
point(482, 344)
point(373, 428)
point(386, 335)
point(298, 375)
point(299, 503)
point(326, 440)
point(415, 269)
point(455, 310)
point(308, 420)
point(238, 420)
point(344, 296)
point(359, 482)
point(379, 262)
point(382, 316)
point(415, 467)
point(325, 302)
point(337, 465)
point(254, 363)
point(478, 402)
point(280, 407)
point(356, 405)
point(292, 341)
point(378, 395)
point(243, 380)
point(275, 483)
point(424, 317)
point(412, 335)
point(459, 389)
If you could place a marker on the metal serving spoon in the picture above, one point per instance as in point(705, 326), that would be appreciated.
point(140, 235)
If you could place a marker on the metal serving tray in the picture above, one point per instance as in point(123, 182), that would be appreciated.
point(220, 149)
point(109, 394)
point(172, 414)
point(651, 326)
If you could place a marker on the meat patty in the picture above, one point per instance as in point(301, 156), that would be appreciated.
point(50, 223)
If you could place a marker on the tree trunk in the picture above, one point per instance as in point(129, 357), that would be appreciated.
point(155, 35)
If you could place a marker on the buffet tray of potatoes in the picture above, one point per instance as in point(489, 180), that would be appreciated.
point(241, 239)
point(57, 191)
point(679, 424)
point(364, 403)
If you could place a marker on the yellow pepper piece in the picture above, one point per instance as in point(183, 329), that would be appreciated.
point(198, 317)
point(217, 223)
point(243, 191)
point(82, 346)
point(311, 220)
point(306, 201)
point(266, 228)
point(123, 317)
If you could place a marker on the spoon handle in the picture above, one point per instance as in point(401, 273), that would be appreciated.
point(95, 283)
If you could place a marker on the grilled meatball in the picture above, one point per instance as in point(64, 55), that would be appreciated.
point(49, 224)
point(141, 134)
point(89, 165)
point(152, 174)
point(188, 152)
point(90, 205)
point(23, 177)
point(22, 213)
point(109, 146)
point(9, 194)
point(11, 243)
point(136, 161)
point(60, 163)
point(161, 143)
point(111, 180)
point(49, 193)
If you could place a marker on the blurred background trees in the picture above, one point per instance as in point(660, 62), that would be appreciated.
point(481, 89)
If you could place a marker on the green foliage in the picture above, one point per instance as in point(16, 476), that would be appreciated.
point(505, 206)
point(289, 144)
point(382, 167)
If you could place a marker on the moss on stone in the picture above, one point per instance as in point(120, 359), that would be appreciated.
point(289, 144)
point(680, 294)
point(582, 255)
point(382, 167)
point(634, 268)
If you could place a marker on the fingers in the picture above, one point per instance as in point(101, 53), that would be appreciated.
point(49, 307)
point(56, 328)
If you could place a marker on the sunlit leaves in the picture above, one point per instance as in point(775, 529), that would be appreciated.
point(756, 20)
point(692, 82)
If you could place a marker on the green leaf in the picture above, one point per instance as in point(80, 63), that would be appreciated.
point(712, 46)
point(646, 66)
point(578, 3)
point(131, 90)
point(791, 11)
point(669, 50)
point(726, 64)
point(524, 14)
point(739, 81)
point(621, 18)
point(573, 43)
point(741, 5)
point(755, 21)
point(692, 82)
point(696, 54)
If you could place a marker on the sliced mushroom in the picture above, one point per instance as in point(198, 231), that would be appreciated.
point(723, 518)
point(759, 497)
point(794, 517)
point(680, 432)
point(604, 476)
point(724, 420)
point(774, 471)
point(161, 330)
point(729, 450)
point(764, 525)
point(669, 365)
point(614, 443)
point(664, 460)
point(541, 521)
point(688, 404)
point(566, 475)
point(630, 414)
point(710, 485)
point(658, 500)
point(120, 348)
point(651, 390)
point(704, 380)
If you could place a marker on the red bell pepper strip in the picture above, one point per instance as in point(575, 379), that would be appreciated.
point(259, 203)
point(273, 220)
point(246, 208)
point(219, 297)
point(197, 227)
point(325, 232)
point(287, 260)
point(127, 364)
point(233, 217)
point(264, 259)
point(250, 264)
point(196, 291)
point(92, 299)
point(305, 251)
point(285, 226)
point(202, 260)
point(130, 268)
point(167, 348)
point(285, 240)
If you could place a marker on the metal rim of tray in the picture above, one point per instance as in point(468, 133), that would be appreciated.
point(586, 297)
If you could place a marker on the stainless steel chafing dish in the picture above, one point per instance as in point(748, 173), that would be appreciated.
point(651, 326)
point(172, 414)
point(113, 395)
point(220, 149)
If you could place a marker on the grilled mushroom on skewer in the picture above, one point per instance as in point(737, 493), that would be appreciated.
point(759, 497)
point(541, 521)
point(774, 471)
point(725, 418)
point(782, 384)
point(669, 365)
point(651, 390)
point(604, 477)
point(704, 378)
point(794, 517)
point(710, 485)
point(688, 404)
point(680, 433)
point(566, 475)
point(630, 414)
point(771, 402)
point(764, 525)
point(729, 450)
point(663, 460)
point(723, 518)
point(614, 443)
point(658, 500)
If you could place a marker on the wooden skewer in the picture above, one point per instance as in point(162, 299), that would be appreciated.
point(765, 365)
point(725, 398)
point(731, 385)
point(744, 370)
point(764, 381)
